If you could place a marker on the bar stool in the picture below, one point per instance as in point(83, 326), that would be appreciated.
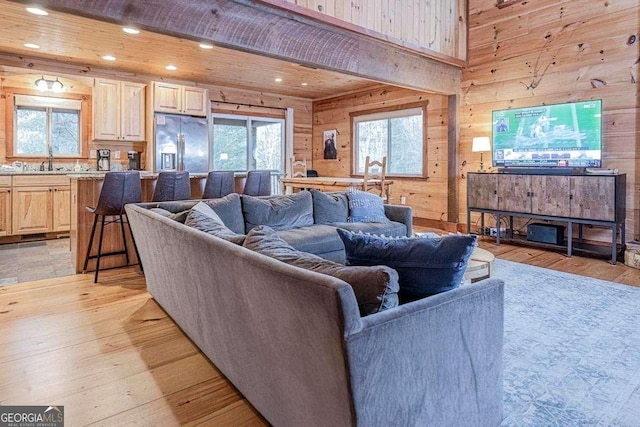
point(118, 189)
point(258, 183)
point(172, 186)
point(219, 184)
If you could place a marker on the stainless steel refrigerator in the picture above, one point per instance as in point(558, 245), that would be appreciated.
point(182, 143)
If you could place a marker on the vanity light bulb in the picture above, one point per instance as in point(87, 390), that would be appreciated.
point(56, 86)
point(41, 85)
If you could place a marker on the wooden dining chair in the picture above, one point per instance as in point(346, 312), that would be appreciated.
point(298, 168)
point(374, 175)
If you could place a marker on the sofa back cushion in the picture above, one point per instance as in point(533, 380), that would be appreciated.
point(278, 212)
point(229, 209)
point(426, 266)
point(203, 218)
point(329, 208)
point(375, 287)
point(365, 207)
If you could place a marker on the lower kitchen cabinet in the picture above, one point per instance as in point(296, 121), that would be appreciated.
point(40, 204)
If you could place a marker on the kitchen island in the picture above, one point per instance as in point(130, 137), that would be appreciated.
point(85, 191)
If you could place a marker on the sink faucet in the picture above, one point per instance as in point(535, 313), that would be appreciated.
point(50, 168)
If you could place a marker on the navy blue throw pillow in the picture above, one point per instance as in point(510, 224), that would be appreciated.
point(425, 265)
point(365, 207)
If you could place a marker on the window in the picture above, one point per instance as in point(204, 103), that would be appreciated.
point(396, 134)
point(242, 143)
point(45, 125)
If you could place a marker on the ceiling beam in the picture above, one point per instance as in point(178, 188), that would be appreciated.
point(270, 31)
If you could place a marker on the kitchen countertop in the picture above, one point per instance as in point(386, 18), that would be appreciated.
point(88, 175)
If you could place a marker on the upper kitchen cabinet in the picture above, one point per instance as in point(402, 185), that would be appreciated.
point(118, 110)
point(177, 99)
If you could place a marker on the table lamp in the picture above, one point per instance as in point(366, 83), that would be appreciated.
point(481, 144)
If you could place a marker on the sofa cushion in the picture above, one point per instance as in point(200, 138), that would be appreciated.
point(426, 266)
point(316, 239)
point(375, 287)
point(229, 209)
point(280, 212)
point(178, 216)
point(329, 207)
point(365, 207)
point(203, 218)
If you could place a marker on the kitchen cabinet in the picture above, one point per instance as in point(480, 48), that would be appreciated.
point(118, 110)
point(40, 204)
point(177, 99)
point(5, 205)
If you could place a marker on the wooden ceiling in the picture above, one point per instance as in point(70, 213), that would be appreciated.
point(79, 43)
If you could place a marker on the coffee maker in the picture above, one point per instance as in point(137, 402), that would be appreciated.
point(104, 162)
point(134, 160)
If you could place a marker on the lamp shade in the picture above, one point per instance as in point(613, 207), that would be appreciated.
point(481, 143)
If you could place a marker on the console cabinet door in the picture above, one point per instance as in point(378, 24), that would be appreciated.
point(482, 190)
point(31, 210)
point(550, 195)
point(514, 193)
point(593, 197)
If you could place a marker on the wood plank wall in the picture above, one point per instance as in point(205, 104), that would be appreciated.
point(552, 51)
point(439, 26)
point(427, 197)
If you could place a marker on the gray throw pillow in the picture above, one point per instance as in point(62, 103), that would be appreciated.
point(203, 218)
point(280, 212)
point(329, 208)
point(229, 209)
point(365, 207)
point(375, 287)
point(426, 265)
point(179, 216)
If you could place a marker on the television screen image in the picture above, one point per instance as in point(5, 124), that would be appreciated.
point(559, 135)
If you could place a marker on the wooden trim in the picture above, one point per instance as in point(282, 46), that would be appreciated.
point(241, 25)
point(85, 125)
point(452, 155)
point(425, 152)
point(504, 3)
point(281, 114)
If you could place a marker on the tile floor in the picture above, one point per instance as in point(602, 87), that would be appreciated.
point(24, 262)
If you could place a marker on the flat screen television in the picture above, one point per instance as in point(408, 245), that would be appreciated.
point(565, 135)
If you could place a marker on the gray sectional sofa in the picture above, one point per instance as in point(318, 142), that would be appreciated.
point(295, 345)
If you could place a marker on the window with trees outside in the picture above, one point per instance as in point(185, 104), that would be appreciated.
point(397, 134)
point(243, 143)
point(46, 126)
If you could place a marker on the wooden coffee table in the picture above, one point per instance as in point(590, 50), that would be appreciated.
point(480, 265)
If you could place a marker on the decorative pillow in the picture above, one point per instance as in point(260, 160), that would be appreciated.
point(426, 265)
point(180, 216)
point(375, 288)
point(203, 218)
point(229, 209)
point(329, 208)
point(280, 212)
point(365, 207)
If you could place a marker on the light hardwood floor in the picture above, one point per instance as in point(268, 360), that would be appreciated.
point(111, 356)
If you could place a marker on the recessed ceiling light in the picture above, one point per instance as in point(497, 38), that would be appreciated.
point(131, 30)
point(31, 46)
point(206, 46)
point(37, 11)
point(171, 67)
point(304, 84)
point(278, 79)
point(109, 58)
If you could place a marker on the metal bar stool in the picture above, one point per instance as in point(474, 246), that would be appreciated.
point(219, 184)
point(258, 183)
point(172, 186)
point(118, 189)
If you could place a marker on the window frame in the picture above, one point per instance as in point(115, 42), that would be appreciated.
point(390, 112)
point(10, 117)
point(249, 118)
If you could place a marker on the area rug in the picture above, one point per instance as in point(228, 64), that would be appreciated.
point(572, 349)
